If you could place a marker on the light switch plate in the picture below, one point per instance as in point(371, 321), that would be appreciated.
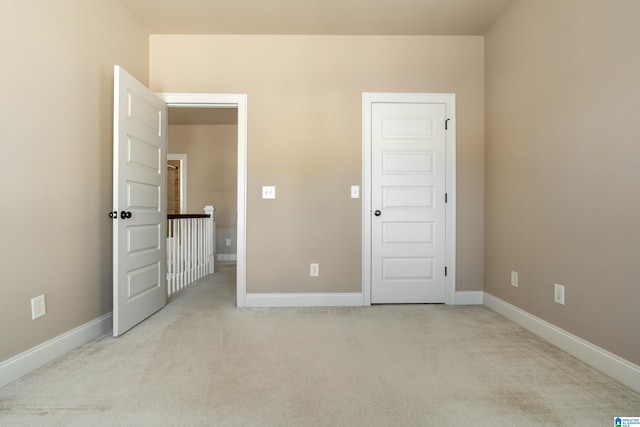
point(268, 192)
point(355, 192)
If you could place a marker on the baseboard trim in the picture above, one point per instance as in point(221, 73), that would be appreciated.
point(336, 299)
point(304, 300)
point(614, 366)
point(469, 297)
point(36, 357)
point(227, 257)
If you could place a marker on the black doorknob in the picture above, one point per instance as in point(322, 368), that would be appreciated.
point(377, 213)
point(113, 214)
point(124, 214)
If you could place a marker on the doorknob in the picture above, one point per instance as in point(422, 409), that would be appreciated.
point(113, 214)
point(377, 213)
point(124, 214)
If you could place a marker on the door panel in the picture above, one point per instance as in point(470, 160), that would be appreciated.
point(408, 187)
point(140, 142)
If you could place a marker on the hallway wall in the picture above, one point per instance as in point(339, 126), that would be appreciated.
point(212, 174)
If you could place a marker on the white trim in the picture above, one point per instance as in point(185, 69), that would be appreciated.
point(183, 179)
point(614, 366)
point(227, 257)
point(210, 100)
point(469, 297)
point(449, 99)
point(36, 357)
point(304, 300)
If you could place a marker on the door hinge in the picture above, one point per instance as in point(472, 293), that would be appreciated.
point(445, 271)
point(446, 124)
point(446, 197)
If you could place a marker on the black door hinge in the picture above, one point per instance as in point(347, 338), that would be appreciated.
point(446, 124)
point(446, 197)
point(445, 271)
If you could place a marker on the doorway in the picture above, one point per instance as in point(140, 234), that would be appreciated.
point(208, 138)
point(408, 209)
point(237, 103)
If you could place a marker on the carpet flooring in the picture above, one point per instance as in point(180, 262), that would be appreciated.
point(201, 361)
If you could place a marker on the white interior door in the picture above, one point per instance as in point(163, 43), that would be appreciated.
point(408, 185)
point(139, 202)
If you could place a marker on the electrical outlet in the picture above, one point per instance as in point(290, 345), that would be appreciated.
point(514, 279)
point(558, 294)
point(38, 307)
point(314, 270)
point(228, 242)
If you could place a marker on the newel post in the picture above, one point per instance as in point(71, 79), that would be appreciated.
point(211, 237)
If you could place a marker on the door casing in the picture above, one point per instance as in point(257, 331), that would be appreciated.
point(239, 101)
point(183, 179)
point(448, 99)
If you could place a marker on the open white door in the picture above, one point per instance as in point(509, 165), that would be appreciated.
point(139, 202)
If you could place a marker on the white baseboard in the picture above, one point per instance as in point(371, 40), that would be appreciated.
point(614, 366)
point(32, 359)
point(469, 297)
point(304, 300)
point(227, 257)
point(336, 299)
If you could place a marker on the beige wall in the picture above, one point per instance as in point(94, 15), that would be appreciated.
point(304, 137)
point(563, 165)
point(56, 81)
point(212, 173)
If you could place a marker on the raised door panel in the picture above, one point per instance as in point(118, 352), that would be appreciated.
point(140, 142)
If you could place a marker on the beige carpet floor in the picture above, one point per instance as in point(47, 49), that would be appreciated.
point(201, 361)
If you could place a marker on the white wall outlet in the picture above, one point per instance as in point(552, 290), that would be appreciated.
point(514, 279)
point(228, 242)
point(268, 192)
point(38, 307)
point(355, 191)
point(558, 293)
point(314, 270)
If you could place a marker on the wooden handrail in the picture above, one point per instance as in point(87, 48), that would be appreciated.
point(187, 216)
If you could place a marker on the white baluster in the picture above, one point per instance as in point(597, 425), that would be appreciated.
point(190, 250)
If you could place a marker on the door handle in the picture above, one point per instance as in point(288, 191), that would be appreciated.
point(125, 215)
point(377, 212)
point(113, 214)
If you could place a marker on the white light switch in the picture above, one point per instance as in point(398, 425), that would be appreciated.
point(268, 192)
point(355, 191)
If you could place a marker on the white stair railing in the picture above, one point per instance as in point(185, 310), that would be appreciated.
point(190, 249)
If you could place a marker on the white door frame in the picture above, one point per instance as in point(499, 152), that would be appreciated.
point(239, 101)
point(449, 99)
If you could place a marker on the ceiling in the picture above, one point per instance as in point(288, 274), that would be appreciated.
point(202, 116)
point(322, 17)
